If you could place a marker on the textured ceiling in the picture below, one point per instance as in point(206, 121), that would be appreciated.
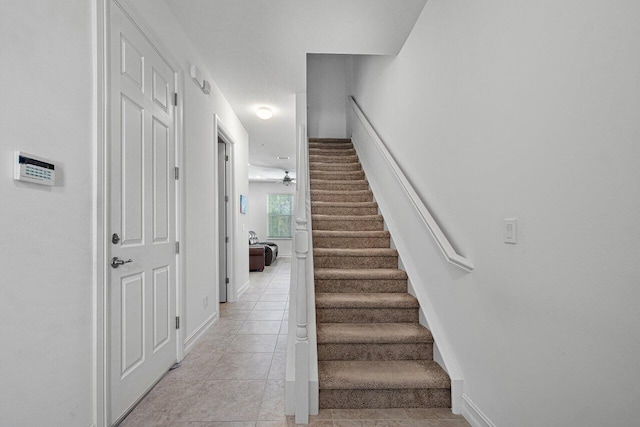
point(256, 51)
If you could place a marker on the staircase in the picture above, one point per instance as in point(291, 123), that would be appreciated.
point(372, 352)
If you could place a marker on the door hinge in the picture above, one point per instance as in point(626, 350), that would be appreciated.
point(177, 247)
point(226, 198)
point(226, 280)
point(175, 99)
point(177, 322)
point(226, 240)
point(176, 172)
point(226, 158)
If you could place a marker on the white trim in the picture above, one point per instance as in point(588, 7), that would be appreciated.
point(100, 87)
point(242, 289)
point(443, 243)
point(221, 133)
point(101, 27)
point(193, 338)
point(473, 414)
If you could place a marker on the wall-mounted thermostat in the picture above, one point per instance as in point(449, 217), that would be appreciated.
point(33, 169)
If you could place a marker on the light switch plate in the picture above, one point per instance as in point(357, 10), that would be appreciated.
point(510, 230)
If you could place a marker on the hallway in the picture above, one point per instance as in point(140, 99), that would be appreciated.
point(235, 376)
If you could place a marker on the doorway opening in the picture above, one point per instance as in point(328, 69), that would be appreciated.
point(225, 213)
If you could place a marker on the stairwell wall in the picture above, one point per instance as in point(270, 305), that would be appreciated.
point(526, 110)
point(326, 89)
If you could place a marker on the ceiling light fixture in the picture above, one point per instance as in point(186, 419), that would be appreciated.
point(283, 157)
point(264, 113)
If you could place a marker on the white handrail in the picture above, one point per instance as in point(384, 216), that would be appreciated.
point(443, 243)
point(301, 244)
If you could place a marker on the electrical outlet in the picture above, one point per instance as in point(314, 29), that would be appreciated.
point(510, 230)
point(205, 301)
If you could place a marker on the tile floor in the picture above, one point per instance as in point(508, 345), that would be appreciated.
point(234, 377)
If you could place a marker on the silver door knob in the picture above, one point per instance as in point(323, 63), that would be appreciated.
point(117, 262)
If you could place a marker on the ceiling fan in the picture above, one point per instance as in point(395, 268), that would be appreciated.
point(286, 180)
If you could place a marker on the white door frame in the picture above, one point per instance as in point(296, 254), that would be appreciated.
point(101, 119)
point(221, 133)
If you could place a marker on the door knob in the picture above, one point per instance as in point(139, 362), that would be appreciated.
point(117, 262)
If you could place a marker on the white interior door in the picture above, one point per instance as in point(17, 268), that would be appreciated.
point(142, 215)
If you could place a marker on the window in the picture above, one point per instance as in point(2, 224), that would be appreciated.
point(279, 215)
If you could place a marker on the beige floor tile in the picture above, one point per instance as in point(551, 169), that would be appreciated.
point(266, 315)
point(253, 344)
point(274, 297)
point(225, 327)
point(240, 305)
point(235, 314)
point(260, 327)
point(281, 344)
point(218, 424)
point(278, 366)
point(278, 290)
point(226, 400)
point(271, 305)
point(431, 413)
point(272, 407)
point(242, 366)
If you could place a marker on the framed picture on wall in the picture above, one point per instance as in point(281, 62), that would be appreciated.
point(243, 204)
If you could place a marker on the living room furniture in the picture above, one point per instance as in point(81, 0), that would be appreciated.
point(270, 250)
point(256, 258)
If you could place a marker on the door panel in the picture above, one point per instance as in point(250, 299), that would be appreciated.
point(142, 198)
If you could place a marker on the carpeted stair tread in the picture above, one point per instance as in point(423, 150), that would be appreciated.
point(346, 217)
point(365, 300)
point(347, 185)
point(332, 167)
point(377, 375)
point(346, 233)
point(332, 159)
point(341, 196)
point(331, 140)
point(359, 274)
point(367, 252)
point(337, 175)
point(373, 333)
point(331, 152)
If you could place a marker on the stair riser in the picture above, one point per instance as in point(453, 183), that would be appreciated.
point(351, 242)
point(350, 351)
point(339, 186)
point(331, 152)
point(341, 167)
point(355, 262)
point(337, 175)
point(331, 146)
point(333, 159)
point(366, 315)
point(360, 286)
point(353, 225)
point(403, 398)
point(332, 197)
point(343, 210)
point(330, 140)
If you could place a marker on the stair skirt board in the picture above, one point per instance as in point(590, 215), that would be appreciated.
point(372, 350)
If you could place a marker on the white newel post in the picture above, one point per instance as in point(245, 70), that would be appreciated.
point(302, 315)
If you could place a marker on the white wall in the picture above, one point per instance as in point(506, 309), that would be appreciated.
point(46, 295)
point(199, 173)
point(257, 212)
point(527, 110)
point(327, 96)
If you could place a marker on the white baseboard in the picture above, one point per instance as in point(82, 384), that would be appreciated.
point(473, 414)
point(193, 338)
point(243, 288)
